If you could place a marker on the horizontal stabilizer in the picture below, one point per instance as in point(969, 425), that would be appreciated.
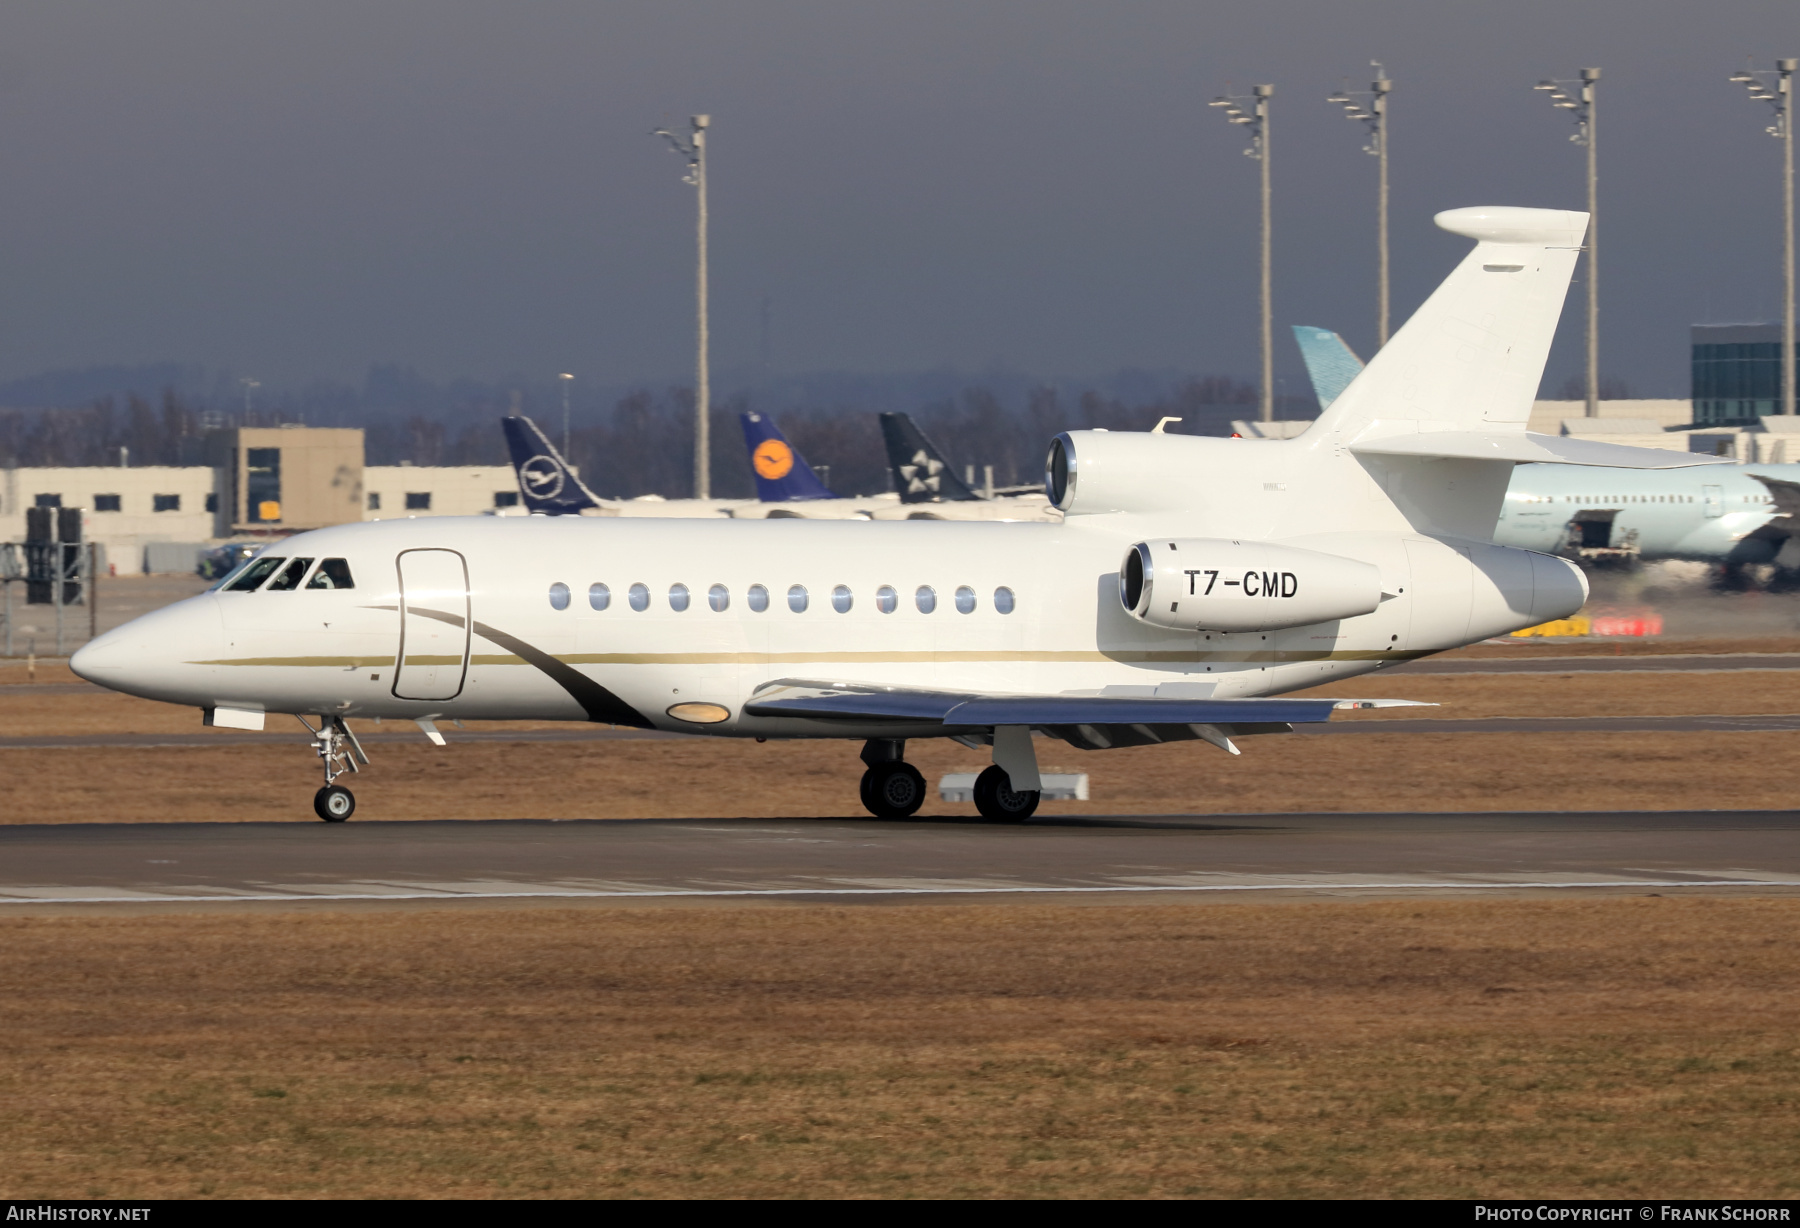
point(1531, 448)
point(964, 710)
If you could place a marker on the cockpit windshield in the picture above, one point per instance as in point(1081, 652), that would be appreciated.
point(289, 577)
point(332, 573)
point(251, 578)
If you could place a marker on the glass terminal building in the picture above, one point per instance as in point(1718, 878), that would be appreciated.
point(1737, 373)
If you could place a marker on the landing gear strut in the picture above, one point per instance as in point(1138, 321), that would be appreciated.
point(339, 752)
point(892, 788)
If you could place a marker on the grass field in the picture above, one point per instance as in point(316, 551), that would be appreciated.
point(1621, 1047)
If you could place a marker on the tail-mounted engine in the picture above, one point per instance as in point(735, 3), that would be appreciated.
point(1199, 583)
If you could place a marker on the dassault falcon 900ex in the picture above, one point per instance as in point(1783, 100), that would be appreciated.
point(1192, 580)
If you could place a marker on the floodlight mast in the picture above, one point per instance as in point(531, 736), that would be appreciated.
point(1580, 105)
point(1373, 113)
point(693, 148)
point(1777, 89)
point(1257, 121)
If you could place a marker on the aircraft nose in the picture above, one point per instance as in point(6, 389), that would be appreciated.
point(153, 655)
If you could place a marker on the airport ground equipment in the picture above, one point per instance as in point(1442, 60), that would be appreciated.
point(1263, 567)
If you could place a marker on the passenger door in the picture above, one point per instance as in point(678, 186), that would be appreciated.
point(434, 625)
point(1715, 500)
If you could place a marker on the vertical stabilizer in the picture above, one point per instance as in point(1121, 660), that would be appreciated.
point(1471, 358)
point(782, 474)
point(1330, 362)
point(546, 483)
point(921, 474)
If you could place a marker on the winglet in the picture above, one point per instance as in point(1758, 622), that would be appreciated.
point(782, 474)
point(546, 483)
point(921, 474)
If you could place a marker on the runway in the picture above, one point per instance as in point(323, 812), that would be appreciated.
point(262, 865)
point(1667, 663)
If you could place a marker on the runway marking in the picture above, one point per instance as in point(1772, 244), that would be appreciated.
point(753, 892)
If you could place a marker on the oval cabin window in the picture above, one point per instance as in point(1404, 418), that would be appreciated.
point(640, 597)
point(559, 596)
point(599, 596)
point(757, 598)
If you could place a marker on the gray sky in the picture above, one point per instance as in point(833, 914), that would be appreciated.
point(296, 190)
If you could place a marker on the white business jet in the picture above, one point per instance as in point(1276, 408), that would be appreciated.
point(1193, 579)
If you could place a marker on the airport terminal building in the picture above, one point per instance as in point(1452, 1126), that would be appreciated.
point(260, 482)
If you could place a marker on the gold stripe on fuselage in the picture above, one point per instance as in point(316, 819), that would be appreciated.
point(1268, 656)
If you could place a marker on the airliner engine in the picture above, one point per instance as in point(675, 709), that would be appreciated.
point(1211, 584)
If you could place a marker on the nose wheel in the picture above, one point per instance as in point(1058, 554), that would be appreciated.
point(334, 803)
point(339, 752)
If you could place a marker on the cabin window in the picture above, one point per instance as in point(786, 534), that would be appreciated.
point(965, 600)
point(757, 597)
point(599, 596)
point(678, 597)
point(332, 573)
point(1003, 600)
point(290, 577)
point(639, 596)
point(797, 598)
point(719, 598)
point(107, 503)
point(841, 599)
point(886, 599)
point(254, 575)
point(559, 596)
point(925, 599)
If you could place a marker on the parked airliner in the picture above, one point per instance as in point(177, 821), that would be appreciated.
point(1193, 580)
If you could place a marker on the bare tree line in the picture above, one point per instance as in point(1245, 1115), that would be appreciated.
point(642, 444)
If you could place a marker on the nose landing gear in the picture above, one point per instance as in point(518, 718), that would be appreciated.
point(339, 752)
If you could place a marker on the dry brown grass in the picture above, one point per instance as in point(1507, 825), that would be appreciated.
point(1493, 1048)
point(720, 778)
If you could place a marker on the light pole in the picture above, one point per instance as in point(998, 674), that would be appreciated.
point(1779, 97)
point(565, 380)
point(1370, 106)
point(1580, 105)
point(1256, 119)
point(693, 148)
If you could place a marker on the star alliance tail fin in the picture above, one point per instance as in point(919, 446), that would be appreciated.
point(921, 474)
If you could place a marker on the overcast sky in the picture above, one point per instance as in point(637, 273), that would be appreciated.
point(297, 190)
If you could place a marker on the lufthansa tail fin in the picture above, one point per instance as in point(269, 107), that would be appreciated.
point(546, 483)
point(782, 474)
point(921, 474)
point(1330, 362)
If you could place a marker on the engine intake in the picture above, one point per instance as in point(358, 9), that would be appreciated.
point(1210, 584)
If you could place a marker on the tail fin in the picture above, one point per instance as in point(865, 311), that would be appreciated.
point(782, 474)
point(921, 474)
point(546, 482)
point(1471, 358)
point(1330, 362)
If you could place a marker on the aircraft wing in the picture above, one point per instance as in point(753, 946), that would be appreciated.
point(1532, 448)
point(1785, 493)
point(963, 709)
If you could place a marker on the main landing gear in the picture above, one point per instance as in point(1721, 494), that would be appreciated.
point(892, 788)
point(998, 800)
point(339, 752)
